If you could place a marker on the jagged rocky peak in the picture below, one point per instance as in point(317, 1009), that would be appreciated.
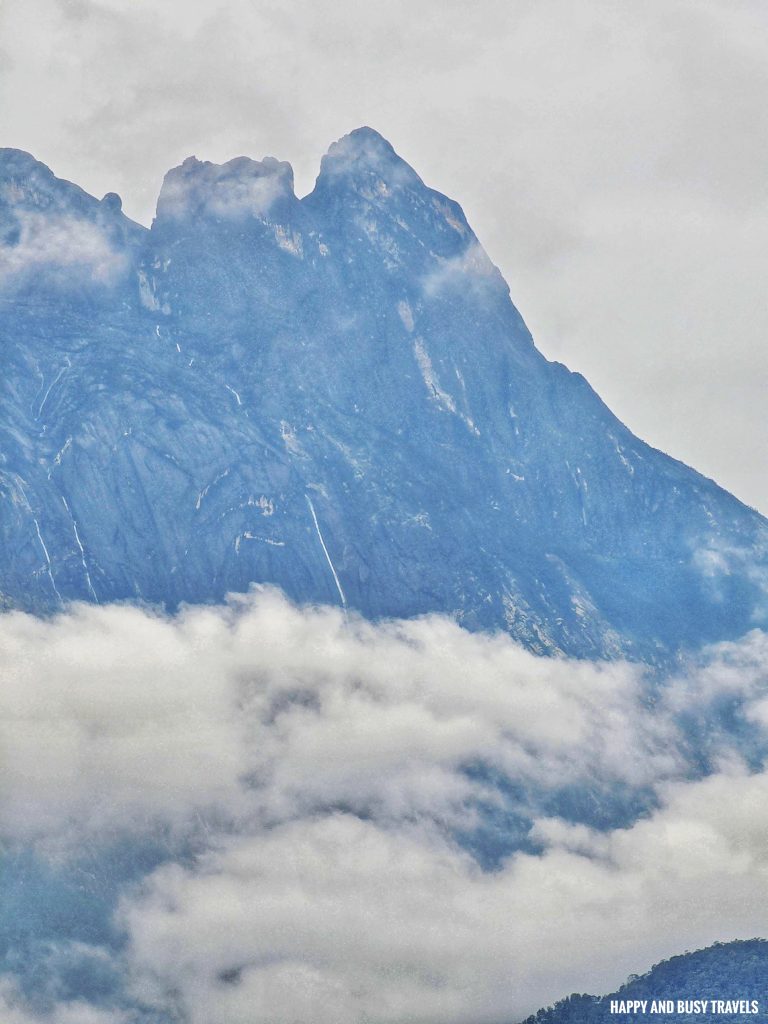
point(55, 237)
point(364, 159)
point(237, 190)
point(26, 184)
point(334, 395)
point(112, 203)
point(366, 191)
point(363, 169)
point(19, 163)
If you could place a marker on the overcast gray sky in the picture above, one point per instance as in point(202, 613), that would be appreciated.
point(610, 156)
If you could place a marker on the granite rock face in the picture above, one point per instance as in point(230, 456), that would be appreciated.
point(336, 395)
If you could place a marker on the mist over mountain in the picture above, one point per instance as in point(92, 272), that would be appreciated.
point(336, 395)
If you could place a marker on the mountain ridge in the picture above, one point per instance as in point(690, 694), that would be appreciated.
point(334, 394)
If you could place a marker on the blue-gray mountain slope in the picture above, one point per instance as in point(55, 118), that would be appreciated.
point(335, 395)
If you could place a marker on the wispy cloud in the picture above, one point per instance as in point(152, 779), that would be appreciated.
point(237, 189)
point(471, 271)
point(67, 249)
point(16, 1009)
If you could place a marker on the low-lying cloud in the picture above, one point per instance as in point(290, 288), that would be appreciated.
point(341, 920)
point(69, 250)
point(321, 786)
point(260, 711)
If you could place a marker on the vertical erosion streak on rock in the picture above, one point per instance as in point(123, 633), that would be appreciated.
point(49, 567)
point(327, 556)
point(82, 550)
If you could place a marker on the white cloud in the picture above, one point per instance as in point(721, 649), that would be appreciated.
point(262, 711)
point(470, 269)
point(64, 247)
point(319, 768)
point(124, 730)
point(733, 671)
point(342, 920)
point(16, 1010)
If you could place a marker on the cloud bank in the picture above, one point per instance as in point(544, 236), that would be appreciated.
point(261, 712)
point(326, 795)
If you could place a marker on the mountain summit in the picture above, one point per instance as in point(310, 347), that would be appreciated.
point(337, 396)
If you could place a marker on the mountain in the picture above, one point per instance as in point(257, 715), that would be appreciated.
point(334, 394)
point(732, 971)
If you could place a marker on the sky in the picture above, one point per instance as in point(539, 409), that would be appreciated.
point(610, 157)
